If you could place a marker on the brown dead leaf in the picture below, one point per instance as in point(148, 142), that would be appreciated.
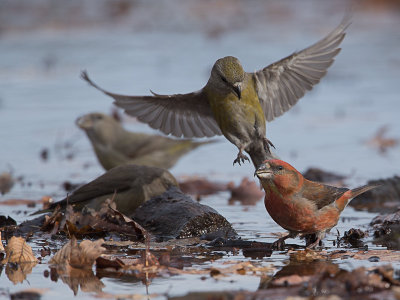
point(384, 255)
point(304, 255)
point(382, 142)
point(12, 202)
point(6, 182)
point(247, 192)
point(78, 278)
point(291, 280)
point(17, 273)
point(18, 251)
point(93, 223)
point(78, 256)
point(52, 223)
point(201, 186)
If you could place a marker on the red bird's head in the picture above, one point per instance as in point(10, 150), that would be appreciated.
point(281, 174)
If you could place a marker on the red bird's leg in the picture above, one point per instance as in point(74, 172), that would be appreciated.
point(280, 243)
point(241, 158)
point(320, 236)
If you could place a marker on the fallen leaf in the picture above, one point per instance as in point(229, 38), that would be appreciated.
point(11, 202)
point(384, 255)
point(78, 256)
point(382, 142)
point(93, 223)
point(304, 255)
point(6, 182)
point(18, 251)
point(78, 278)
point(17, 272)
point(248, 192)
point(201, 186)
point(290, 280)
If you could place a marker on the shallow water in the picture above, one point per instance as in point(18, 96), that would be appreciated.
point(41, 95)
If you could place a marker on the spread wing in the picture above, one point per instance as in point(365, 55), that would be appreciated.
point(322, 194)
point(281, 84)
point(187, 115)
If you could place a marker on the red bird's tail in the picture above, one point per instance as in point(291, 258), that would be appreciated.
point(362, 189)
point(351, 194)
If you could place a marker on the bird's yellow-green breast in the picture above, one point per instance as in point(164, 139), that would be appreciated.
point(230, 111)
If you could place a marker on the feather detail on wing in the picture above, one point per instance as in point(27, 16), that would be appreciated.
point(281, 84)
point(187, 115)
point(322, 194)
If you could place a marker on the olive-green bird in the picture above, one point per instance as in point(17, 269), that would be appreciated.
point(128, 185)
point(115, 146)
point(235, 103)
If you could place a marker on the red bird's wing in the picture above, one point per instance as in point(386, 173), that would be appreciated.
point(322, 194)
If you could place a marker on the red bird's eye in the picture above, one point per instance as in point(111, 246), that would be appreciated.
point(280, 168)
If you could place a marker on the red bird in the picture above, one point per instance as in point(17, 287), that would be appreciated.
point(299, 205)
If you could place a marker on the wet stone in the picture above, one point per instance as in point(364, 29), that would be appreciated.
point(386, 229)
point(385, 198)
point(316, 174)
point(7, 221)
point(354, 237)
point(374, 259)
point(176, 215)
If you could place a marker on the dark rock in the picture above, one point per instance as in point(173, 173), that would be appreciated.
point(26, 295)
point(7, 221)
point(354, 237)
point(374, 259)
point(176, 215)
point(385, 198)
point(386, 230)
point(255, 250)
point(319, 175)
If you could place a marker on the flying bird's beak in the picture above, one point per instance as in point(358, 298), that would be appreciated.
point(264, 171)
point(237, 87)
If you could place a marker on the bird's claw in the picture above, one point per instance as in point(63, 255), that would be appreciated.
point(241, 158)
point(268, 144)
point(313, 245)
point(279, 244)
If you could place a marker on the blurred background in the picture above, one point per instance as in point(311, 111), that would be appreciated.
point(349, 123)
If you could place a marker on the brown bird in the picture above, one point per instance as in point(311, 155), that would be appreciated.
point(115, 146)
point(235, 103)
point(299, 205)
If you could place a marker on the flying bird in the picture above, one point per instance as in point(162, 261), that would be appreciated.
point(236, 103)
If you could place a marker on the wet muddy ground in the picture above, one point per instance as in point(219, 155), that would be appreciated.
point(347, 125)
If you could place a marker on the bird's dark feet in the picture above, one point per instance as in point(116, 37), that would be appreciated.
point(241, 158)
point(313, 240)
point(279, 244)
point(268, 144)
point(314, 245)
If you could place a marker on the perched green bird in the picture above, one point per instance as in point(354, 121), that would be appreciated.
point(115, 146)
point(129, 185)
point(235, 103)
